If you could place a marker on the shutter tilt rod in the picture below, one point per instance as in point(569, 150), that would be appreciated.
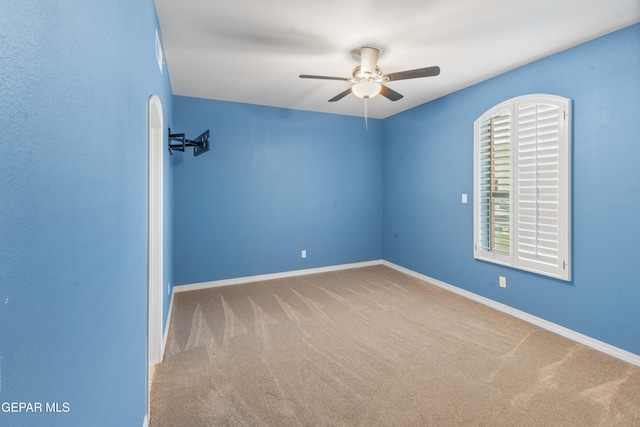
point(178, 142)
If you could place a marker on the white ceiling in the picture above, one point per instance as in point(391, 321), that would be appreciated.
point(253, 51)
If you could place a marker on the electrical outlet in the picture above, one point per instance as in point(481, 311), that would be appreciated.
point(503, 282)
point(303, 254)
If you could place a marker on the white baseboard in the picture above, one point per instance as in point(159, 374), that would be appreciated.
point(585, 340)
point(249, 279)
point(145, 422)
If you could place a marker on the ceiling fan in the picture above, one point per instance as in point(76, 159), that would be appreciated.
point(367, 78)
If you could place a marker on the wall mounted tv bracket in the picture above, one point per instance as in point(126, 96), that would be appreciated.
point(178, 142)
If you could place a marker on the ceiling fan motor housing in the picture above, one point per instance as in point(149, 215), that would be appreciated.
point(359, 75)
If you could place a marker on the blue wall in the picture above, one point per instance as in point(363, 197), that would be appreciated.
point(74, 83)
point(428, 164)
point(275, 182)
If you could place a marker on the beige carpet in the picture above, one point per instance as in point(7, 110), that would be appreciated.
point(374, 347)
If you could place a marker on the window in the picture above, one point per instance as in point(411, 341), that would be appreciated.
point(521, 217)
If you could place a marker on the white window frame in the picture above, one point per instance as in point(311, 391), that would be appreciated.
point(556, 261)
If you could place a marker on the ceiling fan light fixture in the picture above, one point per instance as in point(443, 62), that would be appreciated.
point(366, 89)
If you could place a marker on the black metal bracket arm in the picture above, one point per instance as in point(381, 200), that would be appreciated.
point(178, 142)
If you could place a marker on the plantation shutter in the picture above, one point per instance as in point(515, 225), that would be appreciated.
point(522, 170)
point(541, 204)
point(495, 184)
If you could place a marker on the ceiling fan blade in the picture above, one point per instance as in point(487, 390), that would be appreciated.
point(307, 76)
point(341, 95)
point(414, 74)
point(368, 60)
point(390, 93)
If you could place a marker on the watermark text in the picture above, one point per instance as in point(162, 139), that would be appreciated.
point(35, 407)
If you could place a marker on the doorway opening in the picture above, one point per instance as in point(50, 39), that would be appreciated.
point(155, 143)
